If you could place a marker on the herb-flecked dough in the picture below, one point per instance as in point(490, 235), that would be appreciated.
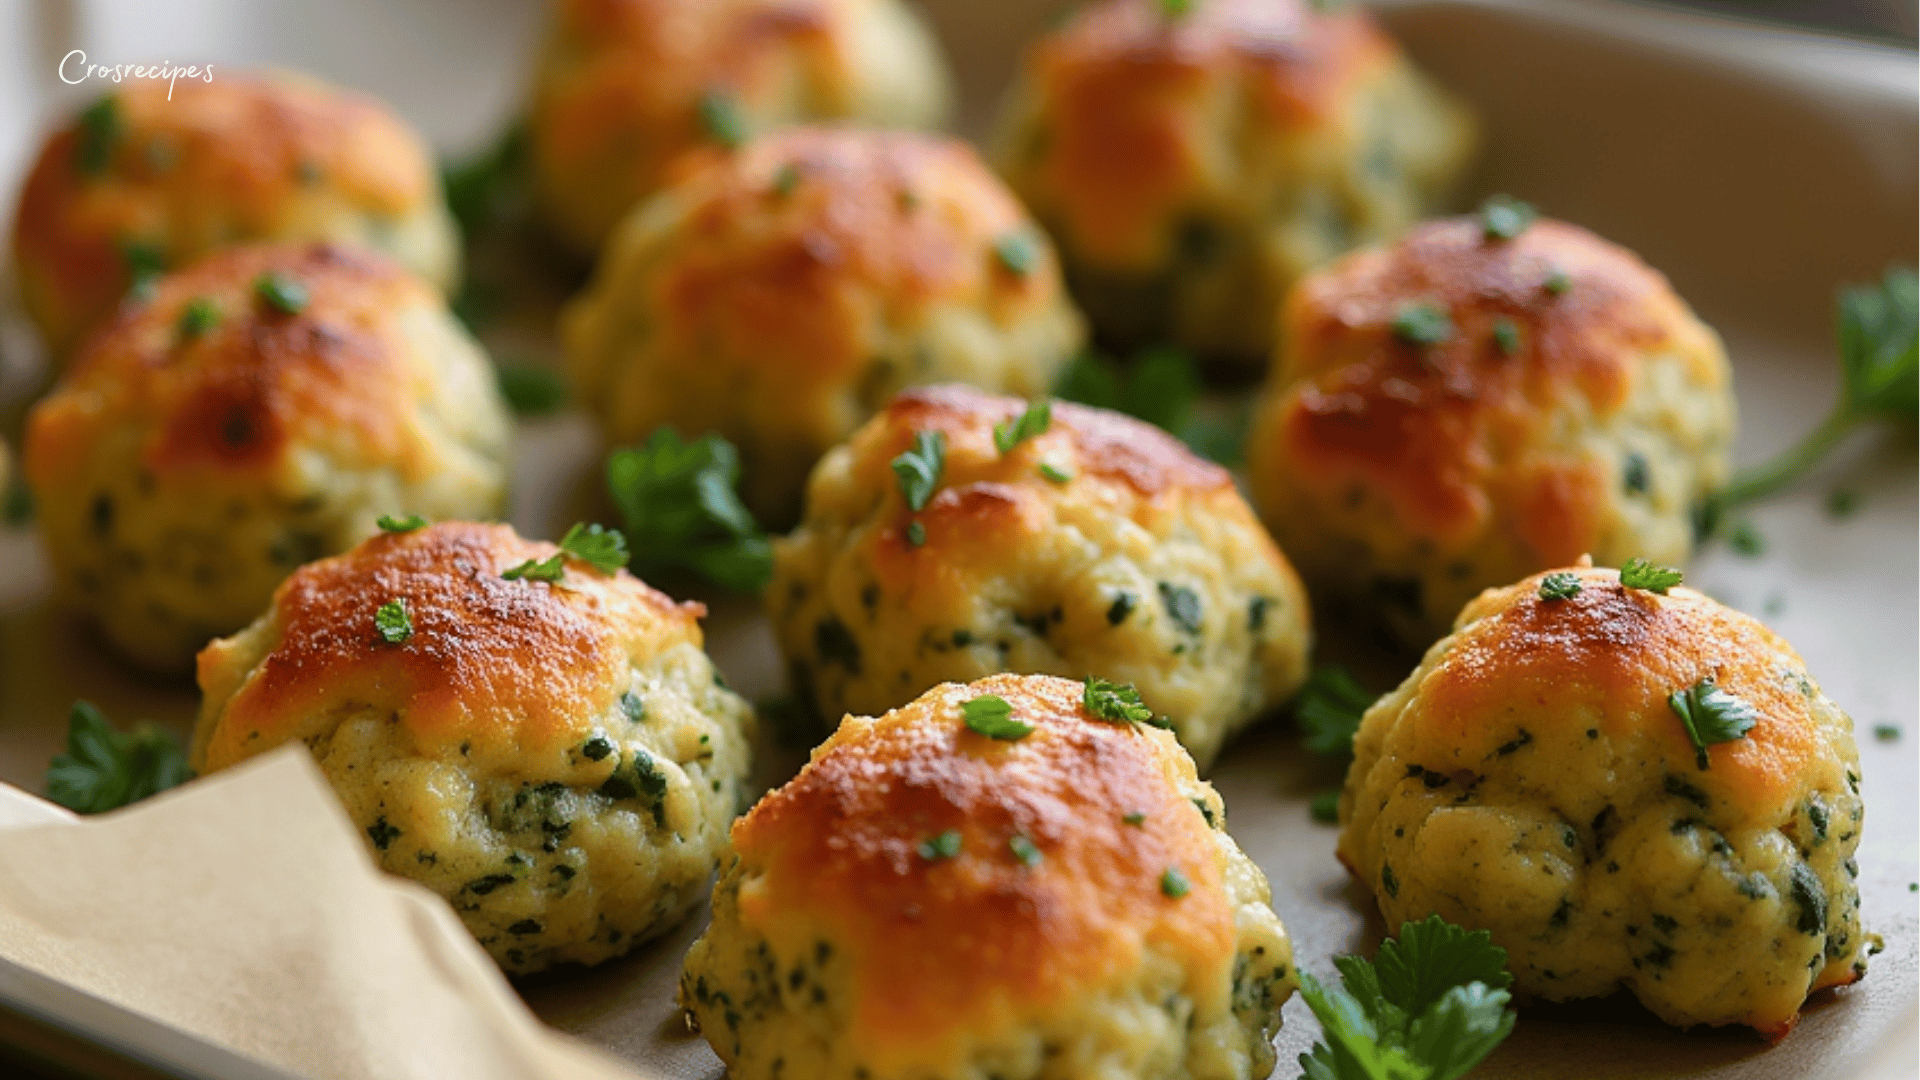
point(558, 761)
point(1534, 778)
point(924, 901)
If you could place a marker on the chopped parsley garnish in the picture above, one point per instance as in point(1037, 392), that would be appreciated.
point(99, 133)
point(1024, 850)
point(1116, 703)
point(992, 716)
point(1431, 1006)
point(531, 389)
point(1506, 335)
point(1503, 217)
point(721, 115)
point(786, 179)
point(1135, 818)
point(1746, 540)
point(1034, 421)
point(1054, 474)
point(1422, 324)
point(389, 523)
point(603, 549)
point(1641, 574)
point(281, 292)
point(1326, 806)
point(1711, 715)
point(1328, 710)
point(916, 533)
point(145, 263)
point(1177, 8)
point(104, 769)
point(1183, 606)
point(1877, 331)
point(393, 621)
point(1017, 252)
point(919, 468)
point(1886, 732)
point(681, 511)
point(1174, 884)
point(944, 846)
point(1841, 503)
point(549, 570)
point(382, 833)
point(198, 317)
point(1557, 283)
point(1560, 585)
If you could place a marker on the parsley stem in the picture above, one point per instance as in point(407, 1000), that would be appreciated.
point(1763, 480)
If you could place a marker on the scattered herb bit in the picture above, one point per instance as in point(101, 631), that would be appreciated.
point(1160, 387)
point(1328, 710)
point(1429, 1006)
point(393, 621)
point(1122, 606)
point(1326, 806)
point(1017, 252)
point(1746, 540)
point(721, 115)
point(603, 549)
point(98, 134)
point(1174, 884)
point(786, 179)
point(198, 317)
point(104, 769)
point(145, 263)
point(992, 716)
point(1886, 732)
point(481, 188)
point(1117, 703)
point(1503, 217)
point(1135, 818)
point(1711, 715)
point(1034, 421)
point(1024, 850)
point(1422, 324)
point(1841, 503)
point(1877, 331)
point(596, 749)
point(281, 292)
point(1506, 334)
point(1183, 606)
point(381, 833)
point(681, 511)
point(637, 777)
point(1641, 574)
point(550, 570)
point(1557, 283)
point(531, 389)
point(1559, 585)
point(916, 533)
point(944, 846)
point(1054, 474)
point(1177, 8)
point(407, 524)
point(919, 468)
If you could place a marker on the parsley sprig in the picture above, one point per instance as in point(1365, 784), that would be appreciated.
point(1711, 715)
point(681, 511)
point(1037, 418)
point(394, 621)
point(1329, 708)
point(104, 769)
point(1560, 585)
point(1641, 574)
point(1503, 217)
point(1877, 331)
point(919, 469)
point(603, 549)
point(1429, 1006)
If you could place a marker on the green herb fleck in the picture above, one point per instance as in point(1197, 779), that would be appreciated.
point(1422, 324)
point(1746, 540)
point(549, 570)
point(1176, 8)
point(198, 317)
point(407, 524)
point(1711, 715)
point(531, 389)
point(1054, 474)
point(681, 511)
point(1183, 606)
point(1122, 606)
point(381, 833)
point(1557, 283)
point(1326, 806)
point(1136, 818)
point(1174, 884)
point(916, 533)
point(1116, 703)
point(1503, 217)
point(1506, 335)
point(786, 179)
point(1024, 850)
point(721, 115)
point(596, 749)
point(992, 716)
point(281, 292)
point(944, 846)
point(104, 769)
point(1641, 574)
point(1886, 732)
point(99, 133)
point(1328, 710)
point(1841, 503)
point(145, 263)
point(393, 621)
point(919, 469)
point(1034, 421)
point(1017, 252)
point(1559, 585)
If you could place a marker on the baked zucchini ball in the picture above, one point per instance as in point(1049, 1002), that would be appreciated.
point(260, 409)
point(139, 184)
point(1191, 166)
point(1536, 777)
point(781, 294)
point(924, 901)
point(1094, 544)
point(1458, 410)
point(623, 87)
point(558, 760)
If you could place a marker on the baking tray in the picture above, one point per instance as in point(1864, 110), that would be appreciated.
point(1757, 167)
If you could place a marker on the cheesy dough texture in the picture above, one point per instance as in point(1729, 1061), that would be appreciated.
point(1135, 561)
point(558, 761)
point(923, 901)
point(780, 295)
point(1572, 405)
point(208, 441)
point(139, 184)
point(1192, 166)
point(623, 87)
point(1531, 779)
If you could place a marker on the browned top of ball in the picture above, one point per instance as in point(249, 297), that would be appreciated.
point(936, 943)
point(494, 664)
point(1417, 419)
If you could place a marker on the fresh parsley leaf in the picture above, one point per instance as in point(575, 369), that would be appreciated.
point(1017, 251)
point(1503, 217)
point(721, 115)
point(603, 549)
point(944, 846)
point(919, 468)
point(550, 570)
point(1135, 818)
point(992, 716)
point(281, 292)
point(1557, 283)
point(680, 509)
point(1116, 703)
point(1560, 585)
point(1432, 955)
point(407, 524)
point(1328, 710)
point(1506, 335)
point(531, 389)
point(1422, 324)
point(1174, 884)
point(198, 317)
point(1711, 715)
point(916, 533)
point(99, 133)
point(1641, 574)
point(1325, 806)
point(1054, 474)
point(1034, 421)
point(104, 769)
point(1024, 850)
point(393, 621)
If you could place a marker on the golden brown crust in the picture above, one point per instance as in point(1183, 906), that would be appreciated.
point(235, 396)
point(1415, 420)
point(937, 945)
point(235, 154)
point(1629, 649)
point(492, 664)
